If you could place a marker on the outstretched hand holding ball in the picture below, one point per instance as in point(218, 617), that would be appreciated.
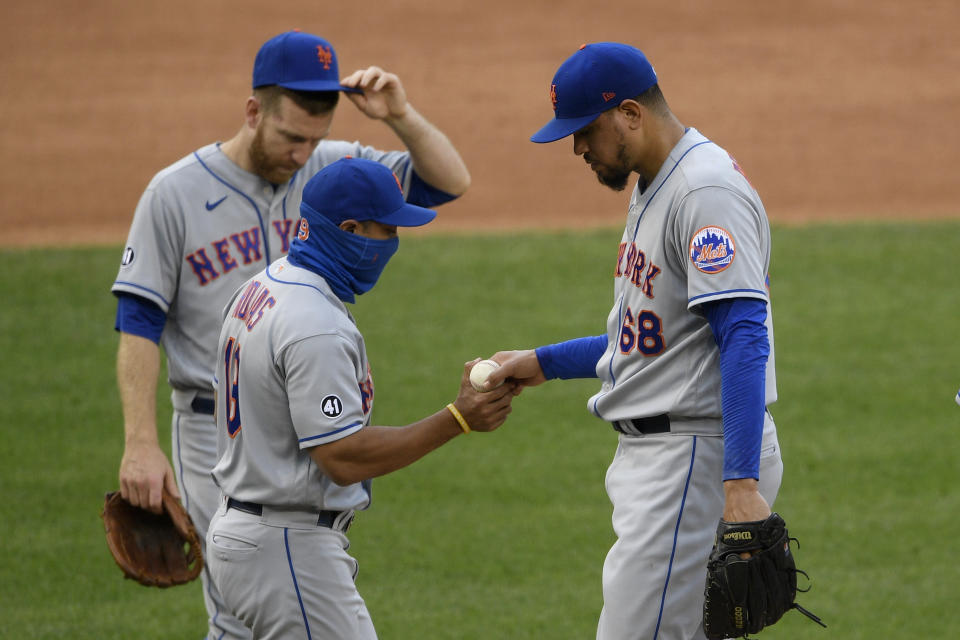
point(480, 372)
point(519, 369)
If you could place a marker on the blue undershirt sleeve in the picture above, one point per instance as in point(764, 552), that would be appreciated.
point(739, 330)
point(140, 317)
point(575, 358)
point(423, 194)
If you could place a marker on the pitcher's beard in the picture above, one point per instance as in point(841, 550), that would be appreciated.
point(266, 168)
point(614, 177)
point(616, 180)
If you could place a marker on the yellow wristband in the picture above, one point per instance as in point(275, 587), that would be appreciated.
point(459, 416)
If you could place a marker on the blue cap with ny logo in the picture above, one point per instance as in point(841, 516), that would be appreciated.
point(596, 78)
point(360, 189)
point(299, 61)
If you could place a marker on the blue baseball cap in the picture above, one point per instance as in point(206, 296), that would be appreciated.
point(597, 77)
point(359, 189)
point(299, 61)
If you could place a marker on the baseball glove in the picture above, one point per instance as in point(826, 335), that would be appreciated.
point(157, 550)
point(744, 595)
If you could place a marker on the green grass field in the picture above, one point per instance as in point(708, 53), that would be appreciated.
point(503, 535)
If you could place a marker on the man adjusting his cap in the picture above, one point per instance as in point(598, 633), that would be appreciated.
point(210, 221)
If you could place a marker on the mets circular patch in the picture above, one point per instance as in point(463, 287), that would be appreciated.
point(712, 249)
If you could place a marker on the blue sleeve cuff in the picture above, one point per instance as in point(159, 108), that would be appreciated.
point(140, 317)
point(575, 358)
point(426, 195)
point(739, 330)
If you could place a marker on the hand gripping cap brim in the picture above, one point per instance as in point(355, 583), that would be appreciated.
point(298, 61)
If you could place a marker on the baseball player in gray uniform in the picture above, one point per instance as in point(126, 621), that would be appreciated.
point(686, 364)
point(294, 399)
point(210, 221)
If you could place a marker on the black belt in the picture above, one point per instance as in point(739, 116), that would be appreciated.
point(643, 426)
point(202, 405)
point(326, 518)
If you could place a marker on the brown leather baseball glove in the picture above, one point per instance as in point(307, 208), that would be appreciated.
point(157, 550)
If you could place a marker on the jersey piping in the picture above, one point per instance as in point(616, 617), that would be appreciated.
point(143, 288)
point(331, 433)
point(636, 229)
point(337, 302)
point(296, 585)
point(720, 293)
point(676, 534)
point(263, 229)
point(610, 366)
point(665, 179)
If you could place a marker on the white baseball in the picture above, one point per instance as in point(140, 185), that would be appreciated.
point(480, 372)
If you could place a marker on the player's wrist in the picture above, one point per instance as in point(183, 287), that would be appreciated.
point(142, 440)
point(462, 423)
point(407, 123)
point(740, 488)
point(398, 115)
point(741, 485)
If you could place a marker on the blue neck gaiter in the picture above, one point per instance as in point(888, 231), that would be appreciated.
point(350, 263)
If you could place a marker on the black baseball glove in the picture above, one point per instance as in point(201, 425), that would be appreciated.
point(744, 595)
point(159, 550)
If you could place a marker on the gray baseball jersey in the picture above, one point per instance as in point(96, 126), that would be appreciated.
point(292, 373)
point(204, 226)
point(698, 233)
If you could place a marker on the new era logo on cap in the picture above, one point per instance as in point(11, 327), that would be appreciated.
point(298, 61)
point(597, 77)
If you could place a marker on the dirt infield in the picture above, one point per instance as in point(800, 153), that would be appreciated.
point(836, 109)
